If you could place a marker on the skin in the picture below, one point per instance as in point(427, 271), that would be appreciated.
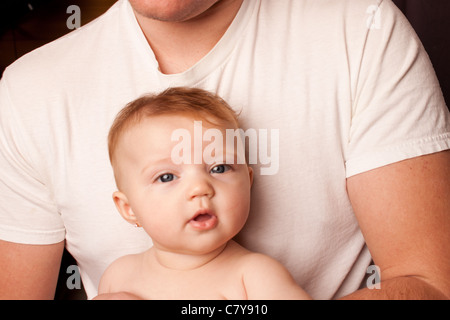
point(29, 271)
point(409, 268)
point(171, 11)
point(173, 41)
point(181, 33)
point(414, 261)
point(165, 208)
point(167, 199)
point(403, 211)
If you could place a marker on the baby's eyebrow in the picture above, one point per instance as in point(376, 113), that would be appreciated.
point(229, 157)
point(156, 162)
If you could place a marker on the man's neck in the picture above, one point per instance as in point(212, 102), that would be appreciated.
point(180, 45)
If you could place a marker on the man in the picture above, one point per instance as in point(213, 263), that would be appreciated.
point(341, 91)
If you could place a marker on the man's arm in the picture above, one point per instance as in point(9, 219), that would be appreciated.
point(403, 210)
point(29, 271)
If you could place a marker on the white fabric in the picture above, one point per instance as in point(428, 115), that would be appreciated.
point(347, 93)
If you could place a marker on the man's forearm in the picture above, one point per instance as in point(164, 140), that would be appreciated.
point(401, 288)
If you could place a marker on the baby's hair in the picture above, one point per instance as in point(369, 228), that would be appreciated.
point(173, 101)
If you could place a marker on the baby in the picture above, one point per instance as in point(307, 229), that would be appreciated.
point(191, 198)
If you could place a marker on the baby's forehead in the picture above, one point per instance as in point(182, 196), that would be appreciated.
point(164, 130)
point(168, 127)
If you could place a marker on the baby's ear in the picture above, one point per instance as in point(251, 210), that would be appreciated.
point(122, 204)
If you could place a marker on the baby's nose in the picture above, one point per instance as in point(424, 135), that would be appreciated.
point(200, 187)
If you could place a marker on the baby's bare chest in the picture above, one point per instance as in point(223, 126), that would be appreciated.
point(177, 285)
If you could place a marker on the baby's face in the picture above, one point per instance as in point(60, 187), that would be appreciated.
point(190, 207)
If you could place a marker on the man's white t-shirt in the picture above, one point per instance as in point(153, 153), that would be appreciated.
point(332, 89)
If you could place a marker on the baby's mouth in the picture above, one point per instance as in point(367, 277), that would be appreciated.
point(203, 220)
point(202, 217)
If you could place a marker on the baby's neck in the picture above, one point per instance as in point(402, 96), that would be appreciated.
point(183, 261)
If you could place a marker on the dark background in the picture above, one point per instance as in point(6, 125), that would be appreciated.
point(26, 25)
point(431, 21)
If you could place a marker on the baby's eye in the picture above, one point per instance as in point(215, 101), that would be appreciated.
point(220, 168)
point(166, 177)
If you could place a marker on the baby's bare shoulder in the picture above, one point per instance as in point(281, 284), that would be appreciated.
point(249, 260)
point(254, 260)
point(119, 271)
point(266, 278)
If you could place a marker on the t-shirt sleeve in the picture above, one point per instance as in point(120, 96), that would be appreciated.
point(27, 212)
point(398, 108)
